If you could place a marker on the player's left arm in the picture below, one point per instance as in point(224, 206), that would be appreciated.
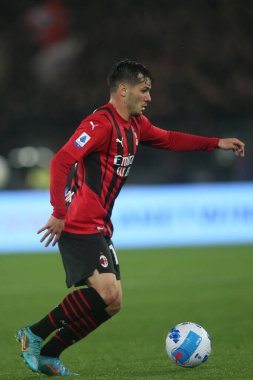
point(232, 144)
point(185, 142)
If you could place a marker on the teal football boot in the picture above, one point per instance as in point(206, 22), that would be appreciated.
point(53, 367)
point(31, 345)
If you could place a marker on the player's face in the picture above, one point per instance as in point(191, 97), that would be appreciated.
point(138, 97)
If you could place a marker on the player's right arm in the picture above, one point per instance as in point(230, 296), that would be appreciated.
point(53, 228)
point(91, 135)
point(60, 167)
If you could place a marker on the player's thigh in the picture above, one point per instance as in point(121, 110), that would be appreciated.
point(83, 255)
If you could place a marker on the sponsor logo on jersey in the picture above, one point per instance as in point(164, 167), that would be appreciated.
point(82, 140)
point(123, 160)
point(120, 141)
point(103, 261)
point(123, 164)
point(93, 125)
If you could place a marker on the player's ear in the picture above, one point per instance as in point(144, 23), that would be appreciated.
point(123, 89)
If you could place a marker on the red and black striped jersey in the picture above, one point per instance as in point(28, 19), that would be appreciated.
point(103, 147)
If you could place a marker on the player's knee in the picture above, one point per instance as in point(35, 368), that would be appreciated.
point(115, 307)
point(110, 294)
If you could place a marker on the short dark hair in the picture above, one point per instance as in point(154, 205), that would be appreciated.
point(128, 71)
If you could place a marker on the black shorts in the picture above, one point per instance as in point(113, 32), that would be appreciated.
point(82, 254)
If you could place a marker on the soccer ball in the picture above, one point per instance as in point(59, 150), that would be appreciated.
point(188, 344)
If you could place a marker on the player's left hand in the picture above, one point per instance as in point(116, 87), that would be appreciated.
point(53, 228)
point(232, 144)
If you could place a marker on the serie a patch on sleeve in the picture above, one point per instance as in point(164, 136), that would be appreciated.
point(82, 140)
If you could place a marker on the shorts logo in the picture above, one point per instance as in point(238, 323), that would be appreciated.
point(82, 140)
point(103, 261)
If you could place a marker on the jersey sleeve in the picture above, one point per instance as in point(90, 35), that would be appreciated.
point(92, 135)
point(174, 141)
point(60, 167)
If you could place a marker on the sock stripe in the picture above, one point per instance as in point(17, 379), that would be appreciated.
point(79, 313)
point(60, 339)
point(70, 326)
point(86, 324)
point(72, 308)
point(81, 329)
point(83, 299)
point(52, 321)
point(83, 311)
point(66, 311)
point(78, 303)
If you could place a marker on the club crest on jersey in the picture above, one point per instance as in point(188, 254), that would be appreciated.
point(82, 140)
point(103, 261)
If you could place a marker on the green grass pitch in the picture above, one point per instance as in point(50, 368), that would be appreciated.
point(212, 286)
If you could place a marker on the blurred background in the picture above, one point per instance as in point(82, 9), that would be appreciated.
point(55, 56)
point(54, 59)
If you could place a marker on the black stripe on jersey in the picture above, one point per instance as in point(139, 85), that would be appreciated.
point(130, 141)
point(130, 146)
point(119, 152)
point(109, 146)
point(114, 179)
point(116, 125)
point(108, 150)
point(72, 185)
point(93, 172)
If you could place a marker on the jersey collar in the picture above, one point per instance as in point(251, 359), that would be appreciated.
point(123, 122)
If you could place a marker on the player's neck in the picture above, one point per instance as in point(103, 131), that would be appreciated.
point(120, 108)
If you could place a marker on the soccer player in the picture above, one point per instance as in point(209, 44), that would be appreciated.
point(102, 149)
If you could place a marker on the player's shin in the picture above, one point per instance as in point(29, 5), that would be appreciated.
point(83, 306)
point(66, 337)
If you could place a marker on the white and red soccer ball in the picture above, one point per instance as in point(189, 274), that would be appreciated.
point(188, 344)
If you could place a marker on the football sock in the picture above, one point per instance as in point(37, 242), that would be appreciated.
point(68, 335)
point(93, 314)
point(84, 306)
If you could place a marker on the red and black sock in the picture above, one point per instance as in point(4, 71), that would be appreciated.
point(66, 336)
point(80, 312)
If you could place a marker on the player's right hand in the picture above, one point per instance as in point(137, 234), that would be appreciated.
point(54, 228)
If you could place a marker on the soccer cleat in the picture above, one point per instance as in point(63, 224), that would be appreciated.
point(30, 345)
point(53, 367)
